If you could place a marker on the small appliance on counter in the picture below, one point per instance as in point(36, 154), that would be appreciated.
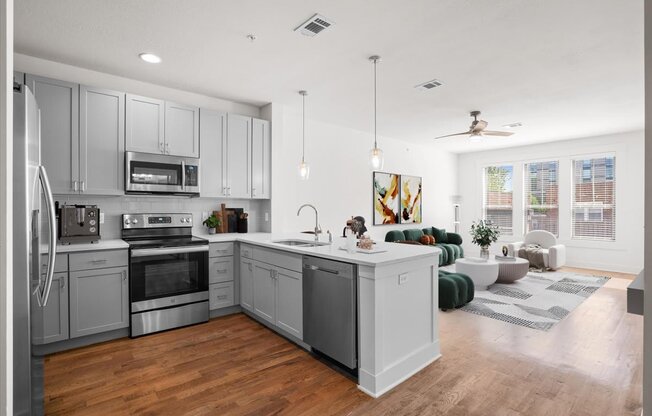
point(357, 225)
point(78, 223)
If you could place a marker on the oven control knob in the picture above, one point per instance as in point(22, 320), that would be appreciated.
point(188, 220)
point(183, 220)
point(134, 221)
point(127, 221)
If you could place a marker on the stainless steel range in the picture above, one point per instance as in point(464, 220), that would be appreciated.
point(168, 270)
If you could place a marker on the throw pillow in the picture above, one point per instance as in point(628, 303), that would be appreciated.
point(424, 240)
point(440, 235)
point(431, 240)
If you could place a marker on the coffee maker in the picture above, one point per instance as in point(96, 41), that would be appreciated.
point(78, 223)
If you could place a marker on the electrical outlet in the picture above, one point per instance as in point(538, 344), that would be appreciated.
point(101, 218)
point(402, 278)
point(266, 216)
point(204, 215)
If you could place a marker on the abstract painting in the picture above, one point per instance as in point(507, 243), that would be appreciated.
point(386, 198)
point(410, 199)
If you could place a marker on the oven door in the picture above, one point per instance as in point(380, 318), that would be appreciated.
point(148, 173)
point(167, 276)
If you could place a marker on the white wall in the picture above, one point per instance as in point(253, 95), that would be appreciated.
point(626, 253)
point(6, 168)
point(647, 353)
point(340, 183)
point(56, 70)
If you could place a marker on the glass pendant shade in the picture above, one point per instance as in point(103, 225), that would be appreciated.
point(376, 159)
point(304, 171)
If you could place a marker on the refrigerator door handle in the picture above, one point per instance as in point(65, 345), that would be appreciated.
point(44, 293)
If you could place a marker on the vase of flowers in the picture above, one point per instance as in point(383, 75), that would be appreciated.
point(212, 222)
point(483, 233)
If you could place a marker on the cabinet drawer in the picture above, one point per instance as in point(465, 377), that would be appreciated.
point(60, 263)
point(246, 251)
point(220, 250)
point(220, 295)
point(220, 269)
point(98, 259)
point(279, 258)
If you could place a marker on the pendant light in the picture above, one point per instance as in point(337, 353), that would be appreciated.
point(304, 168)
point(376, 158)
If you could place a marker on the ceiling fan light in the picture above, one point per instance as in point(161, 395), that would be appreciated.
point(475, 138)
point(304, 171)
point(376, 158)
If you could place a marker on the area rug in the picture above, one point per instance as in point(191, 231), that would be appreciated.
point(537, 301)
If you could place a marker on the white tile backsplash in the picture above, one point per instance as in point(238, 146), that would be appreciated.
point(113, 207)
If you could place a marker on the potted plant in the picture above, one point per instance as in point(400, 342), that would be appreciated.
point(212, 222)
point(483, 233)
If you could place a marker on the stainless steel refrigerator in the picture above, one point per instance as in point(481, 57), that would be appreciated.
point(34, 216)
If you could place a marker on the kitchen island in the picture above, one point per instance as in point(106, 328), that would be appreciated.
point(398, 332)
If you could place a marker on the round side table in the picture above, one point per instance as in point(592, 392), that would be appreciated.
point(483, 273)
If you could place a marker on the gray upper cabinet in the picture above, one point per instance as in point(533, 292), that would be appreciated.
point(181, 130)
point(58, 102)
point(260, 160)
point(238, 156)
point(145, 125)
point(50, 323)
point(212, 133)
point(101, 138)
point(99, 301)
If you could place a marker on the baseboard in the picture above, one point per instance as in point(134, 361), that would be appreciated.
point(229, 310)
point(606, 267)
point(70, 344)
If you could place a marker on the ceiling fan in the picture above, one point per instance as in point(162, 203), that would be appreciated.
point(477, 129)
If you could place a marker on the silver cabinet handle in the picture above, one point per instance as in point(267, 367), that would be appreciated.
point(253, 191)
point(62, 283)
point(221, 271)
point(167, 148)
point(124, 276)
point(98, 261)
point(183, 175)
point(222, 297)
point(75, 187)
point(161, 147)
point(82, 185)
point(144, 252)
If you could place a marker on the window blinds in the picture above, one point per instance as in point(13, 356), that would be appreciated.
point(541, 191)
point(593, 214)
point(498, 191)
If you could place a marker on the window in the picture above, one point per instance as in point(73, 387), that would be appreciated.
point(498, 190)
point(594, 199)
point(541, 192)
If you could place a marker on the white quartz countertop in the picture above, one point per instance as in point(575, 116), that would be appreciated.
point(114, 244)
point(391, 252)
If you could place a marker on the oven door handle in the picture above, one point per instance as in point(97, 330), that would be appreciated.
point(144, 252)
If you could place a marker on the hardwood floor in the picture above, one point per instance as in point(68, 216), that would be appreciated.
point(590, 364)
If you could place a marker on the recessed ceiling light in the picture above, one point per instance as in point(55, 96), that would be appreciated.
point(150, 58)
point(512, 125)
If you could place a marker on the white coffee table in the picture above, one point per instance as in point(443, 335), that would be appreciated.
point(483, 273)
point(510, 271)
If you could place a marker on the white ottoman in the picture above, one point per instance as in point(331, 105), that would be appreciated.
point(483, 273)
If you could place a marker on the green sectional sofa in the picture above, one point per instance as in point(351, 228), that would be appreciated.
point(449, 243)
point(455, 290)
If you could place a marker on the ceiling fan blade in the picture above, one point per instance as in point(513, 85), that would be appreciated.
point(497, 133)
point(466, 133)
point(479, 125)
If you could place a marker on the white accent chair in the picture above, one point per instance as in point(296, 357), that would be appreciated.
point(554, 255)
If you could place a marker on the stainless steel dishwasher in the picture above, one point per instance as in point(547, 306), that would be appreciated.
point(330, 309)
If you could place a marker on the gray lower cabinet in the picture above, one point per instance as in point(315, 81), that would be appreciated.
point(264, 292)
point(289, 302)
point(220, 295)
point(58, 102)
point(247, 283)
point(50, 323)
point(101, 141)
point(99, 300)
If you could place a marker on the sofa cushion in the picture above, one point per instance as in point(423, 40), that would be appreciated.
point(440, 235)
point(394, 235)
point(413, 234)
point(444, 255)
point(450, 253)
point(454, 238)
point(455, 290)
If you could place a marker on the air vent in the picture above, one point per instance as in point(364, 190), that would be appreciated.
point(429, 85)
point(315, 25)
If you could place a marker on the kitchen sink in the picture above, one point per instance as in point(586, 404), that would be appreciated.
point(300, 243)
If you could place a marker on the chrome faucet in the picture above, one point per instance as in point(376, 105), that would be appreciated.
point(317, 227)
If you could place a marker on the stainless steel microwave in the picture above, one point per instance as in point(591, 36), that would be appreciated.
point(151, 174)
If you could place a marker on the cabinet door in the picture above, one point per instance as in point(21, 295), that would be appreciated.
point(289, 302)
point(247, 284)
point(212, 134)
point(50, 323)
point(238, 156)
point(260, 159)
point(99, 301)
point(220, 295)
point(220, 269)
point(181, 130)
point(101, 141)
point(264, 292)
point(145, 124)
point(58, 102)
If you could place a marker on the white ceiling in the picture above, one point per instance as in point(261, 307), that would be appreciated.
point(563, 68)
